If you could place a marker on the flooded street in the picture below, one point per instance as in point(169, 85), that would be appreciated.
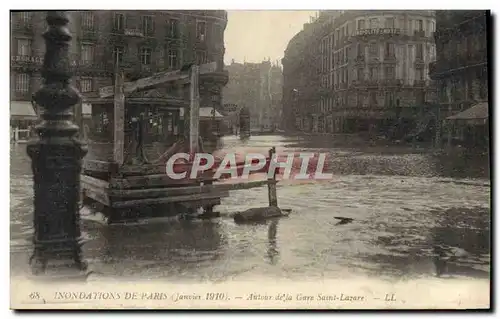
point(402, 207)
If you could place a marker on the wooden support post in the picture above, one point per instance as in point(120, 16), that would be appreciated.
point(194, 114)
point(271, 186)
point(119, 120)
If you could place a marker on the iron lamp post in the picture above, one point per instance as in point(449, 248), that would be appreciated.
point(56, 154)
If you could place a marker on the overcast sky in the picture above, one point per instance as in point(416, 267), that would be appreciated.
point(256, 35)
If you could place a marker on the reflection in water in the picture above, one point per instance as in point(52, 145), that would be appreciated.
point(174, 247)
point(462, 241)
point(272, 250)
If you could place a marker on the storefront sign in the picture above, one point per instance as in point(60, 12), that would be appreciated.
point(133, 32)
point(27, 59)
point(378, 31)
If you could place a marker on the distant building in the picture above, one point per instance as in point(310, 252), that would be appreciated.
point(301, 78)
point(371, 70)
point(461, 73)
point(258, 87)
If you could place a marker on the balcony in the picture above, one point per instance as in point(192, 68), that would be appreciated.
point(419, 83)
point(88, 34)
point(419, 33)
point(390, 58)
point(365, 84)
point(21, 95)
point(133, 33)
point(129, 32)
point(23, 27)
point(88, 67)
point(391, 83)
point(419, 61)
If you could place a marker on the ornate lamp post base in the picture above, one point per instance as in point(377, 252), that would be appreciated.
point(56, 155)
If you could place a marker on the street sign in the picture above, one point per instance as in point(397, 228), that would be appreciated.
point(157, 79)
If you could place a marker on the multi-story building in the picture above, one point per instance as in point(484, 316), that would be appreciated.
point(373, 67)
point(257, 87)
point(301, 80)
point(461, 73)
point(140, 42)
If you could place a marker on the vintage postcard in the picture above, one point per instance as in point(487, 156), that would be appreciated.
point(225, 159)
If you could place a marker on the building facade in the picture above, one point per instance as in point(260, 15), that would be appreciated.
point(140, 42)
point(301, 77)
point(373, 70)
point(461, 71)
point(257, 87)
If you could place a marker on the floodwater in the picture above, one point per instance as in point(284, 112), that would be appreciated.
point(401, 203)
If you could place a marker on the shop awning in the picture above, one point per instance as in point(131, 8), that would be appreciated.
point(475, 114)
point(205, 112)
point(22, 110)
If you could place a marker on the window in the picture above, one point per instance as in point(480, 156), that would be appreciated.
point(420, 51)
point(338, 36)
point(145, 55)
point(201, 57)
point(373, 23)
point(420, 25)
point(200, 30)
point(173, 28)
point(22, 83)
point(172, 58)
point(373, 49)
point(373, 99)
point(389, 99)
point(25, 17)
point(360, 50)
point(119, 22)
point(483, 88)
point(361, 24)
point(389, 73)
point(373, 73)
point(147, 25)
point(24, 47)
point(401, 23)
point(86, 85)
point(118, 53)
point(88, 20)
point(390, 23)
point(87, 54)
point(419, 74)
point(361, 74)
point(420, 97)
point(389, 49)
